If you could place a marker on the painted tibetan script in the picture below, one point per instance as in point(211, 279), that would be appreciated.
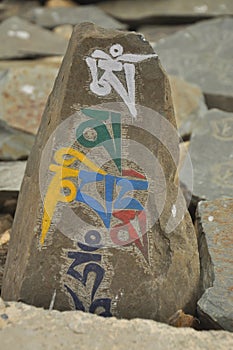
point(110, 64)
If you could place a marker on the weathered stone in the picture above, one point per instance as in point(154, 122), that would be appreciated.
point(60, 3)
point(152, 272)
point(4, 243)
point(170, 11)
point(41, 329)
point(65, 31)
point(24, 95)
point(189, 105)
point(20, 38)
point(53, 17)
point(154, 33)
point(180, 319)
point(202, 54)
point(212, 158)
point(215, 226)
point(5, 222)
point(11, 175)
point(14, 144)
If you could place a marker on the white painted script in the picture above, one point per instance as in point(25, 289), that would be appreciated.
point(115, 62)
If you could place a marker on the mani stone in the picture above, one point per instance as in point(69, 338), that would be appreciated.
point(20, 39)
point(202, 55)
point(57, 16)
point(24, 95)
point(189, 105)
point(63, 265)
point(166, 12)
point(212, 157)
point(215, 227)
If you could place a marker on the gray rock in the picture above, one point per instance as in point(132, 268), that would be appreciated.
point(56, 16)
point(202, 54)
point(154, 33)
point(11, 175)
point(20, 38)
point(148, 276)
point(189, 105)
point(215, 226)
point(24, 95)
point(212, 158)
point(40, 329)
point(169, 11)
point(14, 144)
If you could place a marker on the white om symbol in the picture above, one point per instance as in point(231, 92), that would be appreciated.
point(102, 86)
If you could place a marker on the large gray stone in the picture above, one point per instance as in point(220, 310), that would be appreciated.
point(56, 16)
point(24, 95)
point(215, 226)
point(169, 11)
point(202, 54)
point(14, 144)
point(19, 39)
point(11, 176)
point(154, 33)
point(39, 329)
point(212, 158)
point(150, 274)
point(189, 105)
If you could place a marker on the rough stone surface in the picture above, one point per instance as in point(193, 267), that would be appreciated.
point(215, 226)
point(154, 33)
point(151, 280)
point(40, 329)
point(64, 30)
point(20, 39)
point(11, 175)
point(14, 144)
point(53, 17)
point(24, 95)
point(189, 105)
point(206, 60)
point(212, 158)
point(170, 11)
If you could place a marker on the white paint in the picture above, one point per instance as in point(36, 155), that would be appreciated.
point(20, 34)
point(117, 62)
point(53, 300)
point(28, 89)
point(174, 211)
point(210, 218)
point(201, 9)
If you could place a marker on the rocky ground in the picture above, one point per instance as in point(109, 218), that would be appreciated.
point(194, 42)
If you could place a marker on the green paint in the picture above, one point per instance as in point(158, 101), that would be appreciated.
point(103, 136)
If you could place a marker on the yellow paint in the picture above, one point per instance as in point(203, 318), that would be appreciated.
point(60, 181)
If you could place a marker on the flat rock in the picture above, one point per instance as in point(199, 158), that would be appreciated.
point(202, 55)
point(212, 158)
point(215, 226)
point(189, 105)
point(56, 16)
point(24, 95)
point(154, 33)
point(170, 11)
point(14, 144)
point(38, 329)
point(11, 175)
point(149, 270)
point(20, 39)
point(64, 30)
